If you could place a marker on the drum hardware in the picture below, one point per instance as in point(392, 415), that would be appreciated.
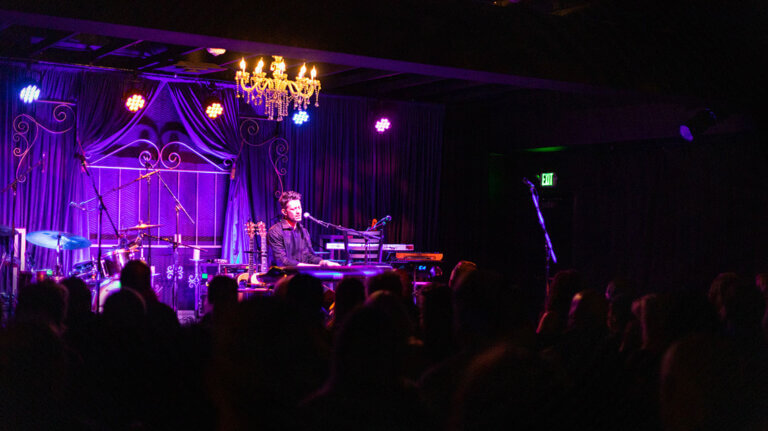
point(59, 241)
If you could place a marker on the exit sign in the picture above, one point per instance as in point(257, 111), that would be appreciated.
point(548, 179)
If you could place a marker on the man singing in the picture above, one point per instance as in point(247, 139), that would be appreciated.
point(289, 240)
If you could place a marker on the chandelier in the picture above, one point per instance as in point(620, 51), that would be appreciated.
point(277, 92)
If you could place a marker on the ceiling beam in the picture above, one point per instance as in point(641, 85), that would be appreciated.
point(112, 47)
point(356, 77)
point(48, 42)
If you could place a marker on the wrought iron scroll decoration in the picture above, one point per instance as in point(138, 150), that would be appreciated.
point(278, 149)
point(26, 130)
point(163, 157)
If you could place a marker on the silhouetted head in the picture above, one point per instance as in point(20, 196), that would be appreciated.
point(349, 294)
point(43, 303)
point(78, 298)
point(589, 311)
point(305, 292)
point(389, 281)
point(222, 290)
point(125, 309)
point(462, 268)
point(565, 284)
point(138, 276)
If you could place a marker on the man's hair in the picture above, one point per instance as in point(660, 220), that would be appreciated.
point(287, 197)
point(136, 275)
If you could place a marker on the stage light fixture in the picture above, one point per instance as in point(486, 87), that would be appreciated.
point(699, 123)
point(135, 101)
point(383, 125)
point(300, 118)
point(213, 108)
point(30, 93)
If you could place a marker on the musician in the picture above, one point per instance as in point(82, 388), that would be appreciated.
point(289, 240)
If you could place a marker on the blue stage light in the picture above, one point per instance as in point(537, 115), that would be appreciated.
point(30, 93)
point(300, 118)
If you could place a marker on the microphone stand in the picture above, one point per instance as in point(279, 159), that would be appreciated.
point(177, 239)
point(13, 185)
point(83, 204)
point(551, 258)
point(347, 232)
point(102, 210)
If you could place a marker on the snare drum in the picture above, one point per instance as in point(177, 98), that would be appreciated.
point(114, 262)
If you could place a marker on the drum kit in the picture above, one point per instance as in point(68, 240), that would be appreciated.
point(107, 270)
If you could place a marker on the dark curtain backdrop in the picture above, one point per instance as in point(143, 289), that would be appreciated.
point(348, 173)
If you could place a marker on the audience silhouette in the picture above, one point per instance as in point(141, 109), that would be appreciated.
point(459, 355)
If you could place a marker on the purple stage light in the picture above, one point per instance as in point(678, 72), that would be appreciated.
point(300, 118)
point(30, 93)
point(383, 125)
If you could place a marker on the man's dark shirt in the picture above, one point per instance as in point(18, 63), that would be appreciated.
point(290, 246)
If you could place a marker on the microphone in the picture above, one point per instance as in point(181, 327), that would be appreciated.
point(309, 216)
point(77, 205)
point(83, 163)
point(383, 222)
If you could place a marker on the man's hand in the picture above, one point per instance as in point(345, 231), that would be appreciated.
point(328, 263)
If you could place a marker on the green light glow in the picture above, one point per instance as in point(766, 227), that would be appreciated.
point(546, 149)
point(205, 276)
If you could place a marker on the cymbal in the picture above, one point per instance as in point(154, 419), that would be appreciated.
point(141, 226)
point(49, 239)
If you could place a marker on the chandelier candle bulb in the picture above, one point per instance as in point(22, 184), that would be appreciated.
point(302, 71)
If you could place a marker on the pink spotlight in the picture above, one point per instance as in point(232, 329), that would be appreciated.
point(383, 125)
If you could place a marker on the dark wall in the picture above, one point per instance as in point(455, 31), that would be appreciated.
point(667, 213)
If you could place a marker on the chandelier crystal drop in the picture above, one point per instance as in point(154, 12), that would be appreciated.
point(278, 92)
